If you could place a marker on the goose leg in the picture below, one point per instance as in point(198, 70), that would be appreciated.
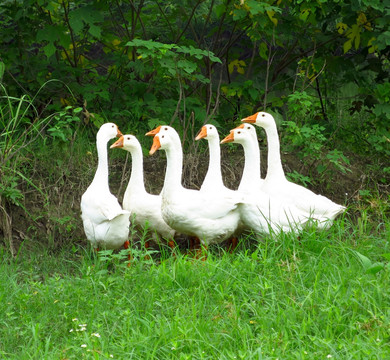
point(147, 245)
point(233, 244)
point(171, 244)
point(201, 253)
point(126, 245)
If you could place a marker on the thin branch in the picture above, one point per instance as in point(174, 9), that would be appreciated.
point(254, 51)
point(123, 19)
point(188, 21)
point(66, 13)
point(207, 19)
point(138, 17)
point(166, 19)
point(176, 113)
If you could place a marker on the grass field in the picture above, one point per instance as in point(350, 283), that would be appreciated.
point(321, 295)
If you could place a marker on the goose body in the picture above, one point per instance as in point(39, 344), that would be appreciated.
point(318, 207)
point(106, 224)
point(145, 208)
point(260, 211)
point(211, 217)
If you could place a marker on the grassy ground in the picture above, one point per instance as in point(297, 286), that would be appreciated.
point(320, 296)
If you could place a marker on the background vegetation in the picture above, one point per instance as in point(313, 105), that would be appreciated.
point(321, 68)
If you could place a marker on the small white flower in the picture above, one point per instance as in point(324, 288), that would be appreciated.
point(75, 319)
point(305, 352)
point(71, 330)
point(83, 329)
point(96, 334)
point(111, 356)
point(329, 356)
point(82, 325)
point(173, 348)
point(84, 345)
point(378, 340)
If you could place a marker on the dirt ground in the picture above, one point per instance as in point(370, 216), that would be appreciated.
point(56, 219)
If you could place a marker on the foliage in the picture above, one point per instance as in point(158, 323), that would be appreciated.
point(145, 63)
point(21, 126)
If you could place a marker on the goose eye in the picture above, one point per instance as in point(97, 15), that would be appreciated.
point(128, 138)
point(248, 127)
point(162, 136)
point(166, 129)
point(112, 126)
point(210, 127)
point(238, 132)
point(262, 115)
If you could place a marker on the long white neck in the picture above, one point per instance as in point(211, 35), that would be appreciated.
point(174, 170)
point(275, 168)
point(101, 176)
point(136, 182)
point(251, 174)
point(214, 174)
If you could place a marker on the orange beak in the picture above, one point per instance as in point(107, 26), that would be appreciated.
point(118, 133)
point(154, 131)
point(118, 143)
point(155, 146)
point(202, 133)
point(250, 119)
point(229, 138)
point(239, 126)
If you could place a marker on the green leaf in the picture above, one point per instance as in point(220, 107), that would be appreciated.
point(220, 10)
point(239, 14)
point(254, 94)
point(2, 69)
point(347, 46)
point(95, 31)
point(263, 51)
point(86, 15)
point(374, 268)
point(366, 262)
point(49, 49)
point(187, 66)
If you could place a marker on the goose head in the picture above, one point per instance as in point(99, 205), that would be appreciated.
point(126, 142)
point(261, 118)
point(207, 132)
point(107, 132)
point(160, 129)
point(240, 134)
point(165, 137)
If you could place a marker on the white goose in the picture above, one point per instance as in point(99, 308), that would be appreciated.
point(212, 218)
point(260, 211)
point(106, 224)
point(144, 207)
point(318, 207)
point(213, 180)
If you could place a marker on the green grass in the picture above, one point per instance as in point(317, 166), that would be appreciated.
point(311, 297)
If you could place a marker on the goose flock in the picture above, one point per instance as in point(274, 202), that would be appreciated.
point(212, 214)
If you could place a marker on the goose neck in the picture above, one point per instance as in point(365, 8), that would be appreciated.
point(136, 182)
point(274, 161)
point(214, 173)
point(173, 172)
point(251, 174)
point(101, 175)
